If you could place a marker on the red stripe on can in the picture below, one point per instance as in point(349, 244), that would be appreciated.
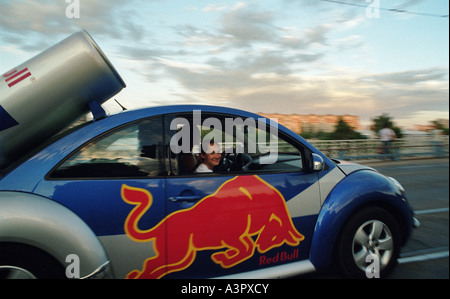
point(16, 74)
point(19, 79)
point(9, 74)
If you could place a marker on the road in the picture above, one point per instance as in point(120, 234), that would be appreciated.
point(427, 185)
point(426, 255)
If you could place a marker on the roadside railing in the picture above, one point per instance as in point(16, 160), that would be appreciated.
point(406, 148)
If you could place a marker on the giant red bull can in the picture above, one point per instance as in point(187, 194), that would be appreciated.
point(51, 91)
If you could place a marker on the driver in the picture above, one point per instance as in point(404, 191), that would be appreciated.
point(210, 158)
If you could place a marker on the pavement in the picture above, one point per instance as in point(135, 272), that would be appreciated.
point(416, 161)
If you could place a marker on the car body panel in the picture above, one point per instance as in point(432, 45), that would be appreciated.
point(359, 189)
point(125, 214)
point(34, 220)
point(349, 167)
point(234, 213)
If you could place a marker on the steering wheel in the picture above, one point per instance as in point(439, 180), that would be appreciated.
point(241, 160)
point(233, 161)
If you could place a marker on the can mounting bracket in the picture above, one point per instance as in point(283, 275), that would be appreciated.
point(97, 110)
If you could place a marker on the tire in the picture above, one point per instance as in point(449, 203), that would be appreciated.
point(27, 262)
point(370, 241)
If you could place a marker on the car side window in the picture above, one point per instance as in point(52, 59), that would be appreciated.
point(274, 153)
point(244, 145)
point(133, 151)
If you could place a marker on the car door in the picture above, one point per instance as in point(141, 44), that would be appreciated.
point(257, 208)
point(115, 183)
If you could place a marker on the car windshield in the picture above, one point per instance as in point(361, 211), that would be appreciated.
point(15, 163)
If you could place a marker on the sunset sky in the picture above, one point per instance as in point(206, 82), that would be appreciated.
point(271, 56)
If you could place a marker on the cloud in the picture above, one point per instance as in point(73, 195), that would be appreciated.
point(256, 87)
point(36, 16)
point(213, 7)
point(245, 24)
point(408, 3)
point(412, 77)
point(245, 56)
point(29, 22)
point(250, 62)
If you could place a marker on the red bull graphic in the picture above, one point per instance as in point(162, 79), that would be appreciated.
point(259, 222)
point(15, 76)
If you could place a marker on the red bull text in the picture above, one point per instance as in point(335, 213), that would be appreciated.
point(259, 223)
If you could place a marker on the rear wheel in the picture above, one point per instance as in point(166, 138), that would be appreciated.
point(18, 261)
point(370, 242)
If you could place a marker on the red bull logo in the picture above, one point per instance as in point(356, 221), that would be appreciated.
point(16, 76)
point(259, 223)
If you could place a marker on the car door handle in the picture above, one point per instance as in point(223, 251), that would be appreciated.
point(184, 198)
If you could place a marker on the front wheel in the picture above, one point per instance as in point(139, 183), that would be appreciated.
point(18, 261)
point(369, 242)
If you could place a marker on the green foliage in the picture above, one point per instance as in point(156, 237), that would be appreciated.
point(439, 126)
point(384, 121)
point(342, 131)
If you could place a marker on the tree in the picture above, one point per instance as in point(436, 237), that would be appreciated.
point(384, 121)
point(343, 131)
point(439, 126)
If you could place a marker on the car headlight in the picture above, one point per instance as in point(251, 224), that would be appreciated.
point(396, 183)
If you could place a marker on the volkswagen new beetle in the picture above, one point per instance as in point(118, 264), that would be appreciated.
point(120, 196)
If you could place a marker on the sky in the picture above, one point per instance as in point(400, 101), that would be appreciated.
point(357, 57)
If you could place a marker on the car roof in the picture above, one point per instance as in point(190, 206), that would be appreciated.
point(130, 115)
point(43, 160)
point(157, 110)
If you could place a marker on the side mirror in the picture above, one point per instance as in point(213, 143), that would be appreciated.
point(317, 162)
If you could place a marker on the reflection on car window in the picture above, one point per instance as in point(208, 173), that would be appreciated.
point(246, 146)
point(287, 158)
point(133, 151)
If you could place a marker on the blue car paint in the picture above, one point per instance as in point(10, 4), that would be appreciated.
point(34, 169)
point(360, 188)
point(322, 231)
point(28, 177)
point(7, 121)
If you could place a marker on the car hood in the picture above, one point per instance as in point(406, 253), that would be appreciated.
point(349, 167)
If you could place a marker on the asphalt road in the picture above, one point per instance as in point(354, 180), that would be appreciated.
point(426, 256)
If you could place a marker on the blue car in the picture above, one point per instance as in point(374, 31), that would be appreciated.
point(194, 191)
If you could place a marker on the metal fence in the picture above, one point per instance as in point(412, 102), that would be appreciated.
point(406, 148)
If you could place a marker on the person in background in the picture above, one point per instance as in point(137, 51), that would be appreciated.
point(387, 135)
